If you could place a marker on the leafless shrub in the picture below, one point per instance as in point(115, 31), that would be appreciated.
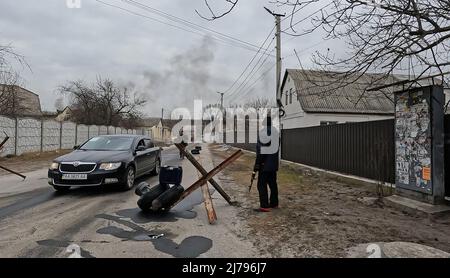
point(103, 103)
point(10, 102)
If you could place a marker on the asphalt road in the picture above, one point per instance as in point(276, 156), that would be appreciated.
point(36, 221)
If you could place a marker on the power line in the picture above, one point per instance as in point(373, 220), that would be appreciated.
point(256, 81)
point(246, 89)
point(251, 61)
point(267, 71)
point(186, 22)
point(243, 83)
point(252, 73)
point(172, 25)
point(250, 76)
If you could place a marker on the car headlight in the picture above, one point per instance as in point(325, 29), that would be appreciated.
point(54, 166)
point(110, 166)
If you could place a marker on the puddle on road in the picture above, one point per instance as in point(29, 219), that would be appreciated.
point(190, 247)
point(127, 235)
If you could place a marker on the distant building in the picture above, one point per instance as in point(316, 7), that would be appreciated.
point(150, 127)
point(59, 115)
point(64, 115)
point(158, 129)
point(168, 125)
point(18, 101)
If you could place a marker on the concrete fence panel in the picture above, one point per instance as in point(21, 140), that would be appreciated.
point(36, 135)
point(51, 131)
point(68, 135)
point(82, 134)
point(103, 130)
point(29, 135)
point(8, 126)
point(93, 131)
point(111, 130)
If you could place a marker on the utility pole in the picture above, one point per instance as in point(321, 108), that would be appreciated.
point(278, 73)
point(221, 99)
point(278, 48)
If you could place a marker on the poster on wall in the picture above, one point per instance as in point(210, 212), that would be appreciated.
point(413, 141)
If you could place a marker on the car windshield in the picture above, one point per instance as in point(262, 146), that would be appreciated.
point(108, 144)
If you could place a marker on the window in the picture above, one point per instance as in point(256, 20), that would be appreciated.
point(290, 96)
point(108, 143)
point(141, 144)
point(149, 143)
point(287, 97)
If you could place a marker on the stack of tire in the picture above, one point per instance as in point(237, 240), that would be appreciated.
point(165, 194)
point(196, 150)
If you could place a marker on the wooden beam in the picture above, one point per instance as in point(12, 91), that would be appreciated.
point(212, 216)
point(4, 140)
point(209, 175)
point(202, 170)
point(13, 172)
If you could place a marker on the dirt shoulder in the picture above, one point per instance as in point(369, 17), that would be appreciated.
point(29, 162)
point(320, 215)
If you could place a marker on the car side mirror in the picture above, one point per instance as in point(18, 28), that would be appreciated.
point(76, 147)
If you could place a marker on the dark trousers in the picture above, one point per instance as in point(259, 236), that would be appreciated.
point(264, 179)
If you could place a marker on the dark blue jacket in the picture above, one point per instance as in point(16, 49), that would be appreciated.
point(266, 162)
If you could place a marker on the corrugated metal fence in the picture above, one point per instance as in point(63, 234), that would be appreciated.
point(447, 155)
point(364, 149)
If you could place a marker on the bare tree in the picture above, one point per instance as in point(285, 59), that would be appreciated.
point(103, 103)
point(258, 103)
point(59, 103)
point(213, 15)
point(10, 102)
point(381, 36)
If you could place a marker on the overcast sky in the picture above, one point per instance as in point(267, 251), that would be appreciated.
point(170, 66)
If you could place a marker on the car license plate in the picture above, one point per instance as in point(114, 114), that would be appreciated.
point(74, 177)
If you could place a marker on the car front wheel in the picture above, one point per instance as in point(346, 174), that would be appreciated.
point(129, 178)
point(155, 171)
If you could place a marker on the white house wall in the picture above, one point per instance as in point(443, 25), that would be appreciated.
point(297, 118)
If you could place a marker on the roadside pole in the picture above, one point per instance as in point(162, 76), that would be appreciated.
point(278, 72)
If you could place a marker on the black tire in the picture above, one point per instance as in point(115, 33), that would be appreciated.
point(168, 198)
point(129, 178)
point(145, 202)
point(141, 188)
point(61, 188)
point(157, 168)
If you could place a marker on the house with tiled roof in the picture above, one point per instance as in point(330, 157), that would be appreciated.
point(314, 98)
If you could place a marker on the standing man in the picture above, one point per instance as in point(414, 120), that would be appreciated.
point(266, 164)
point(182, 143)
